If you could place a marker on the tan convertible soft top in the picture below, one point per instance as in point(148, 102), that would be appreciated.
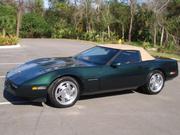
point(144, 54)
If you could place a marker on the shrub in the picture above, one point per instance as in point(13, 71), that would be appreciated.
point(7, 19)
point(34, 26)
point(99, 37)
point(91, 36)
point(147, 45)
point(63, 30)
point(8, 40)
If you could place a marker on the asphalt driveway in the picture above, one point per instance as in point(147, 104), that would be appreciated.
point(121, 113)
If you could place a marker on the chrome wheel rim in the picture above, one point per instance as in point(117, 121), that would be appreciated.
point(66, 92)
point(156, 82)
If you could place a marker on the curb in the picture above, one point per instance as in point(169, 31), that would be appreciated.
point(10, 46)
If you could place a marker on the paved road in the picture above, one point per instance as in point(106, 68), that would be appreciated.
point(122, 113)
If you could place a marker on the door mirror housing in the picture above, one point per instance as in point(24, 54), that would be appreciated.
point(115, 65)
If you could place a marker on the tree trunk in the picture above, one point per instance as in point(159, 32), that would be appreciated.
point(175, 41)
point(89, 27)
point(86, 16)
point(19, 16)
point(155, 35)
point(123, 31)
point(102, 39)
point(109, 32)
point(132, 8)
point(4, 32)
point(130, 28)
point(162, 36)
point(18, 23)
point(167, 38)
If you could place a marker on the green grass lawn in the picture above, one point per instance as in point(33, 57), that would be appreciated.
point(155, 53)
point(166, 55)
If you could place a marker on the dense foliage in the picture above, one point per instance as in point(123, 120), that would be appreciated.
point(34, 25)
point(7, 19)
point(153, 23)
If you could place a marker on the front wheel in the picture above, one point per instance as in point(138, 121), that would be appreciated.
point(64, 92)
point(155, 82)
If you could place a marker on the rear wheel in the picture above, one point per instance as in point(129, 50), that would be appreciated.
point(155, 82)
point(64, 92)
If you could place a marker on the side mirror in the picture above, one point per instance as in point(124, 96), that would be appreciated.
point(115, 65)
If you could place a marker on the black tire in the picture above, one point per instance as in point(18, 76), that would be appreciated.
point(147, 88)
point(52, 89)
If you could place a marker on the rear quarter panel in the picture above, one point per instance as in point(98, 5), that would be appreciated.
point(165, 65)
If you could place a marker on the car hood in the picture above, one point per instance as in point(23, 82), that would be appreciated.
point(38, 67)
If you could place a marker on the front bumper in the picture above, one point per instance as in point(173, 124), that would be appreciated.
point(25, 92)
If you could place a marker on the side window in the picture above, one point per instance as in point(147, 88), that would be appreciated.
point(127, 57)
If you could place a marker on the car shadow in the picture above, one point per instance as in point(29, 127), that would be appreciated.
point(93, 96)
point(19, 101)
point(86, 97)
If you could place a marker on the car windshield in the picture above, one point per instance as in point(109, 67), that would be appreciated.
point(97, 55)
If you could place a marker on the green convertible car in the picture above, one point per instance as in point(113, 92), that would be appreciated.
point(97, 70)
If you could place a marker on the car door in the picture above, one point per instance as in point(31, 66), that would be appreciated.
point(124, 72)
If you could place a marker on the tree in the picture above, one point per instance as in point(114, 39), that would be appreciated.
point(142, 24)
point(34, 26)
point(104, 17)
point(120, 18)
point(158, 7)
point(133, 4)
point(7, 19)
point(172, 22)
point(153, 21)
point(36, 6)
point(19, 16)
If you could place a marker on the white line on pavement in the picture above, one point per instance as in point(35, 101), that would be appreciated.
point(13, 102)
point(2, 76)
point(17, 63)
point(5, 103)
